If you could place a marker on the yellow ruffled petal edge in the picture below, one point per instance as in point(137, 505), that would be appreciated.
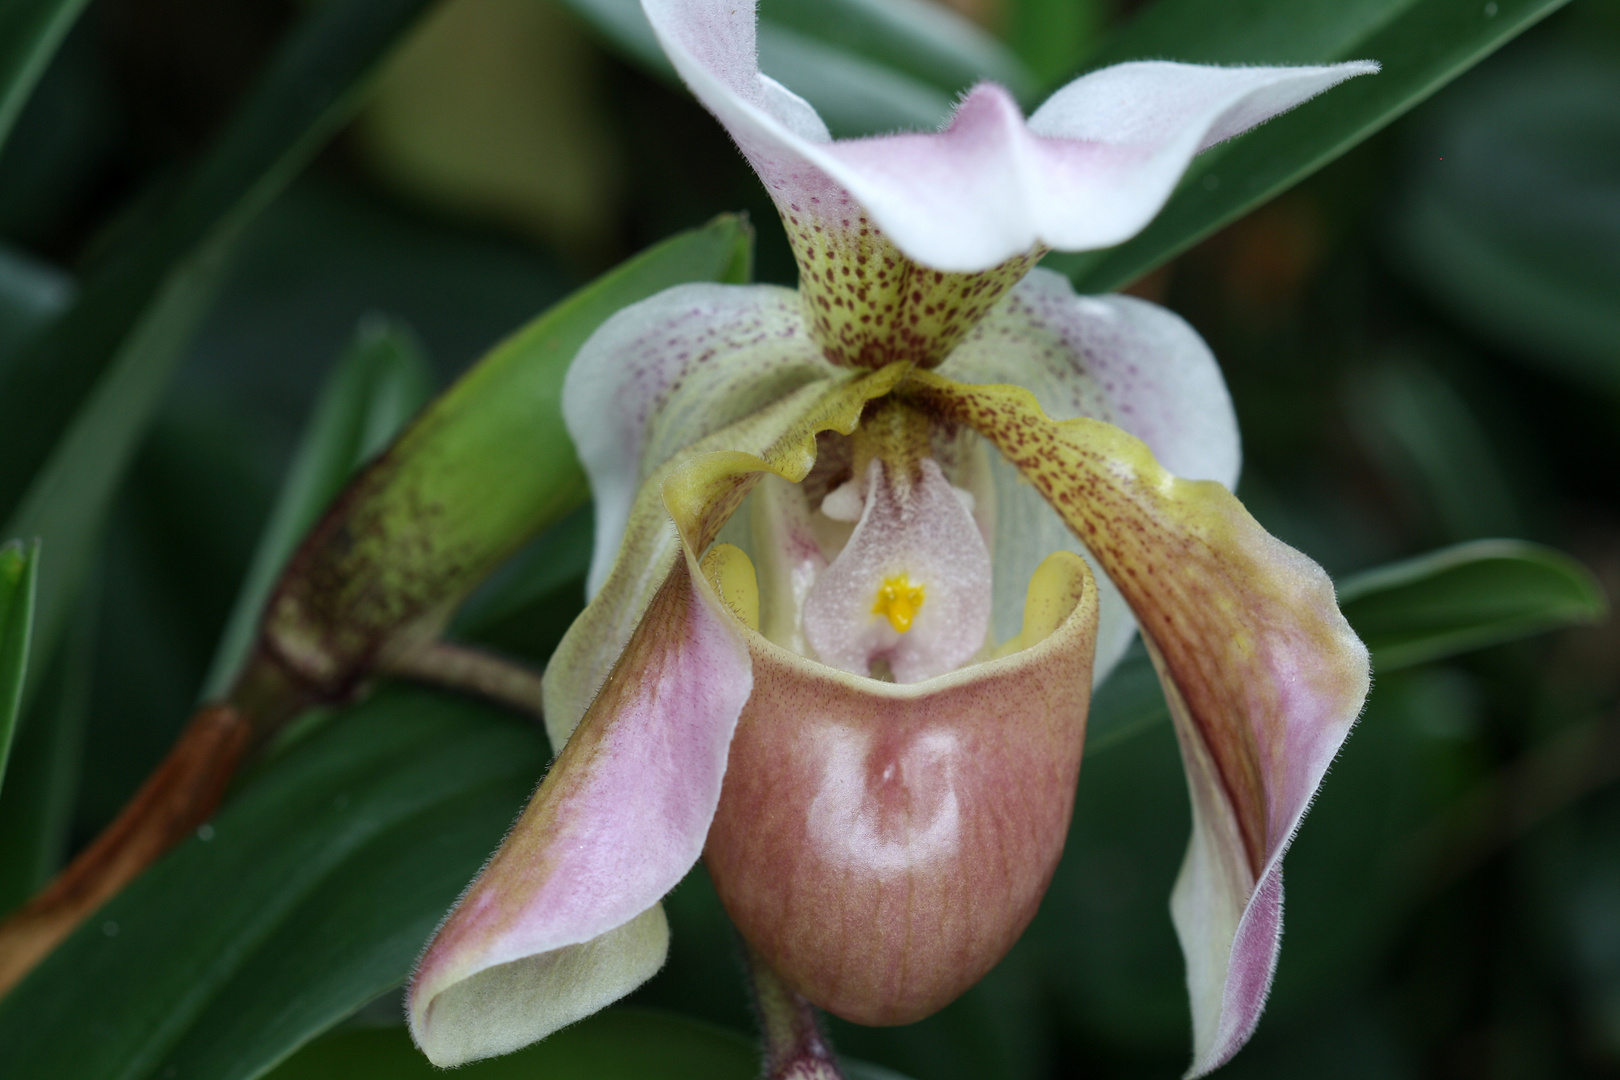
point(1263, 675)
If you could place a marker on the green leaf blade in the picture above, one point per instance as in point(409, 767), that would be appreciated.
point(1467, 597)
point(30, 31)
point(19, 573)
point(867, 66)
point(380, 382)
point(620, 1044)
point(75, 401)
point(308, 894)
point(1422, 45)
point(483, 470)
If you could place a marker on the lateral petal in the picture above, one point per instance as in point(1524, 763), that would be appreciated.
point(565, 917)
point(662, 374)
point(1263, 675)
point(1089, 169)
point(1114, 358)
point(727, 367)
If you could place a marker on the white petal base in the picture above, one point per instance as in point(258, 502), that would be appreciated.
point(509, 1006)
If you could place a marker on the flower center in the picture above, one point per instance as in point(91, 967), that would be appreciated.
point(898, 600)
point(914, 540)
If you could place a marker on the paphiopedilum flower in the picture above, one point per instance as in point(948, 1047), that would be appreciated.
point(843, 627)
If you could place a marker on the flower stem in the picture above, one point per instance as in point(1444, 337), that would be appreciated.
point(458, 667)
point(795, 1046)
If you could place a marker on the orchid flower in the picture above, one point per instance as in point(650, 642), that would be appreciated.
point(862, 549)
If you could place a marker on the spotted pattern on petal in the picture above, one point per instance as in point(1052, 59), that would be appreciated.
point(1248, 628)
point(869, 305)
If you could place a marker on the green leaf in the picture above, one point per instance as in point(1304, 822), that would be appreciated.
point(43, 776)
point(19, 566)
point(310, 894)
point(867, 66)
point(484, 469)
point(75, 402)
point(1505, 220)
point(31, 295)
point(1466, 597)
point(377, 386)
point(1446, 602)
point(1053, 36)
point(926, 41)
point(1127, 703)
point(30, 31)
point(1423, 44)
point(621, 1044)
point(1427, 441)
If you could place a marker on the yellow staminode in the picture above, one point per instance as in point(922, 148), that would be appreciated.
point(898, 601)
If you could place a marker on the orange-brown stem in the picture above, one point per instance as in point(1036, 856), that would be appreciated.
point(795, 1046)
point(175, 800)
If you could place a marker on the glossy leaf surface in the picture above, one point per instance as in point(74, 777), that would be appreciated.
point(30, 31)
point(377, 386)
point(866, 65)
point(484, 469)
point(19, 566)
point(1466, 597)
point(74, 403)
point(1509, 221)
point(620, 1044)
point(1422, 44)
point(310, 894)
point(31, 295)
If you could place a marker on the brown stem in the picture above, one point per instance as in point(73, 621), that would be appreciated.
point(174, 801)
point(795, 1046)
point(190, 782)
point(458, 667)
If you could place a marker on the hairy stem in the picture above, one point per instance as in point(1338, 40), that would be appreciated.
point(473, 671)
point(795, 1046)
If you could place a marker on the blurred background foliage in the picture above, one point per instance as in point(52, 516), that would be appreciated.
point(1423, 343)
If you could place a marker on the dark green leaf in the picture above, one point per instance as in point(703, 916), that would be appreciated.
point(866, 66)
point(74, 403)
point(1423, 44)
point(311, 893)
point(925, 41)
point(43, 778)
point(485, 468)
point(1053, 36)
point(31, 295)
point(1466, 597)
point(1510, 220)
point(1128, 703)
point(19, 567)
point(1429, 444)
point(1450, 601)
point(560, 556)
point(621, 1044)
point(30, 31)
point(377, 386)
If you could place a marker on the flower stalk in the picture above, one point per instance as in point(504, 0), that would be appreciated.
point(796, 1048)
point(472, 671)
